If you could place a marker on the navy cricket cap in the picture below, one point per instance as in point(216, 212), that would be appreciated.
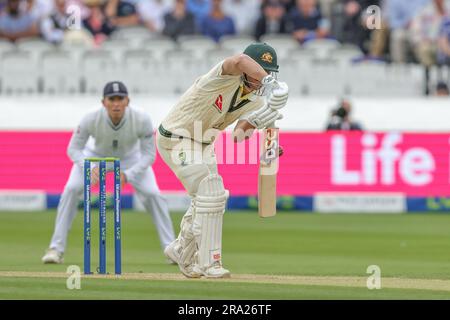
point(115, 89)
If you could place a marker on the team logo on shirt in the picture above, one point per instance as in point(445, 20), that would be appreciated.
point(218, 103)
point(267, 57)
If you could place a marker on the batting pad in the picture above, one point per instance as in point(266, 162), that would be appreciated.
point(210, 204)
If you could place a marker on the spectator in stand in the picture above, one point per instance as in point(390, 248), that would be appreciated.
point(217, 24)
point(355, 30)
point(39, 9)
point(326, 7)
point(199, 8)
point(442, 90)
point(288, 4)
point(399, 15)
point(425, 31)
point(54, 26)
point(80, 4)
point(76, 33)
point(97, 23)
point(244, 14)
point(272, 20)
point(444, 42)
point(340, 117)
point(179, 21)
point(15, 24)
point(305, 22)
point(152, 12)
point(121, 13)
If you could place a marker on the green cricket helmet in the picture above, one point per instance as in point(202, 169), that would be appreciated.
point(264, 55)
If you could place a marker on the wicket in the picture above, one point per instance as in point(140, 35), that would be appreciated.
point(102, 215)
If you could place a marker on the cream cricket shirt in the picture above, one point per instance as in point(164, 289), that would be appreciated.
point(213, 101)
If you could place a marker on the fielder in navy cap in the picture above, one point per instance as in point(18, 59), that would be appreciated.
point(120, 131)
point(115, 100)
point(115, 89)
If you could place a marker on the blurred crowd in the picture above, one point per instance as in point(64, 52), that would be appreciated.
point(405, 30)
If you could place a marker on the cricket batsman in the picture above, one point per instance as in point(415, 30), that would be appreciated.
point(232, 90)
point(114, 130)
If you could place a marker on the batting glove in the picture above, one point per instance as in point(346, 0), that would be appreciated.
point(279, 96)
point(268, 83)
point(263, 117)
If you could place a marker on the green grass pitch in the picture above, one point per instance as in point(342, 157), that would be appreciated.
point(314, 256)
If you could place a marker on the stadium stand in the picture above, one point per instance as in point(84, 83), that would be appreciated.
point(322, 66)
point(316, 69)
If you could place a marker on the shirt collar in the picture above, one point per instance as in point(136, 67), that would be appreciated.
point(249, 96)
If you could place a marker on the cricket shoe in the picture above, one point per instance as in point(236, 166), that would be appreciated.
point(213, 272)
point(188, 271)
point(53, 256)
point(173, 255)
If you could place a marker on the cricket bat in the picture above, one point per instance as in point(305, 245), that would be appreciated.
point(268, 169)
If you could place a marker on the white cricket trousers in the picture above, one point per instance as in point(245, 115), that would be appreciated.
point(146, 189)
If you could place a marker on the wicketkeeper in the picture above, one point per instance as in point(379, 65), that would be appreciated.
point(230, 91)
point(115, 130)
